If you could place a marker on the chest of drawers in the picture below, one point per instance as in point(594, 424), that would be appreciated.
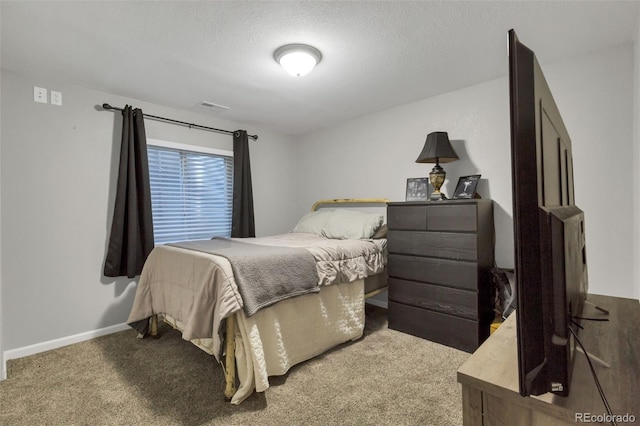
point(440, 256)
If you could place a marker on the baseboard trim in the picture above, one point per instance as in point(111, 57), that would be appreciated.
point(57, 343)
point(81, 337)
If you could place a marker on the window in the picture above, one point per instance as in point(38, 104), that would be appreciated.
point(191, 191)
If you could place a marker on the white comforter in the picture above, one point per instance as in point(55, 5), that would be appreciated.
point(337, 261)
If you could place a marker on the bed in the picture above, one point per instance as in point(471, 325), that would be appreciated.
point(318, 277)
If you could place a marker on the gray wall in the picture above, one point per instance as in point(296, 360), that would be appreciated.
point(374, 155)
point(58, 176)
point(3, 373)
point(595, 96)
point(636, 168)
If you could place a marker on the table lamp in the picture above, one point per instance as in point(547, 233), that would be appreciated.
point(437, 149)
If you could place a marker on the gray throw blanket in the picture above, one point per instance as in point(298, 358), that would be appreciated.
point(264, 274)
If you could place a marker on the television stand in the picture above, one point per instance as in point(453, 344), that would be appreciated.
point(489, 378)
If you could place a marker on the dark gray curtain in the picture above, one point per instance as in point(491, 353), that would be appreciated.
point(131, 238)
point(242, 222)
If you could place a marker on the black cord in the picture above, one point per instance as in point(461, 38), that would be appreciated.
point(577, 324)
point(595, 378)
point(592, 319)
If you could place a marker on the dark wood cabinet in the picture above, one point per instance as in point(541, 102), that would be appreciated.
point(440, 257)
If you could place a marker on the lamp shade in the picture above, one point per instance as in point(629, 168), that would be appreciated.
point(437, 148)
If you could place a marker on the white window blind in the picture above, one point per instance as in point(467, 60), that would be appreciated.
point(191, 194)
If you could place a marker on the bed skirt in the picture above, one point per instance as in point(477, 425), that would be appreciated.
point(289, 332)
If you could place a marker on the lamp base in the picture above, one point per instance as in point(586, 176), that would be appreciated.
point(437, 196)
point(437, 177)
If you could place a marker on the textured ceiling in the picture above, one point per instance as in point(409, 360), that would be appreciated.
point(376, 55)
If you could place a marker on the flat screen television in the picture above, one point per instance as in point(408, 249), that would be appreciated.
point(550, 258)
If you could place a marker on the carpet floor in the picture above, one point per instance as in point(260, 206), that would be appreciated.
point(384, 378)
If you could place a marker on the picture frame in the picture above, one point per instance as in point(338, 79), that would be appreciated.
point(418, 189)
point(466, 187)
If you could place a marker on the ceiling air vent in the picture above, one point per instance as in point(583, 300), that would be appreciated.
point(216, 107)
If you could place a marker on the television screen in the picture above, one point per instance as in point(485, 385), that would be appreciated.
point(550, 257)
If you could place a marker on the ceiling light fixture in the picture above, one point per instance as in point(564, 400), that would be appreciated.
point(297, 59)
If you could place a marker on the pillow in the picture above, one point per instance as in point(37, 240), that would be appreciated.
point(381, 232)
point(351, 224)
point(340, 224)
point(313, 222)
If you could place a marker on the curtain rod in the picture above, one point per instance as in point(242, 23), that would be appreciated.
point(183, 123)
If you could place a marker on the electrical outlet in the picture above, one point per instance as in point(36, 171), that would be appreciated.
point(56, 98)
point(39, 94)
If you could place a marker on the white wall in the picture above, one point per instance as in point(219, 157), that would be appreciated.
point(3, 373)
point(374, 155)
point(636, 168)
point(594, 94)
point(59, 166)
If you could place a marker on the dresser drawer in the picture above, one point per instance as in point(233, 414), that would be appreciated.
point(448, 330)
point(449, 273)
point(434, 216)
point(452, 217)
point(457, 246)
point(407, 217)
point(446, 300)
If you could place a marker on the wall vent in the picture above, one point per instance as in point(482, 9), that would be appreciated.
point(214, 106)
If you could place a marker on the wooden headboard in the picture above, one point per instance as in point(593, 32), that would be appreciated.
point(349, 201)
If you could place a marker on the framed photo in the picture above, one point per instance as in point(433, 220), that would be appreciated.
point(466, 187)
point(418, 189)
